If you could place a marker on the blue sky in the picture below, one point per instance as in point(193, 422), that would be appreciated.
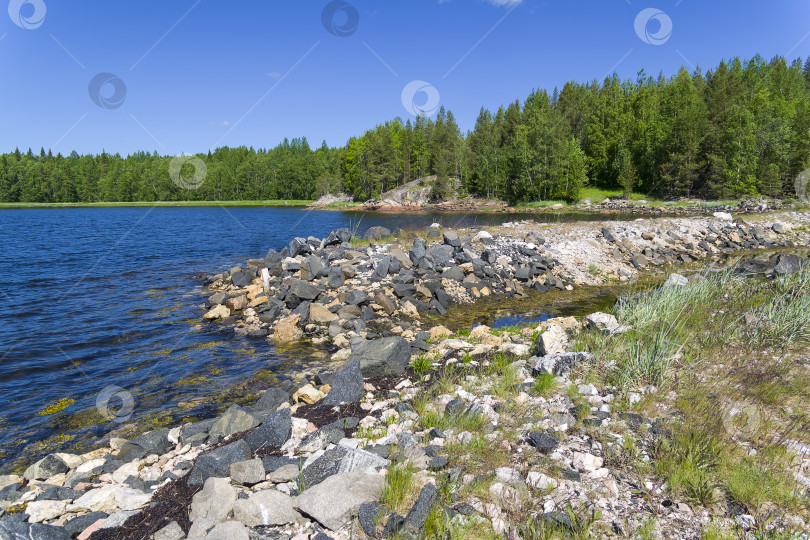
point(200, 73)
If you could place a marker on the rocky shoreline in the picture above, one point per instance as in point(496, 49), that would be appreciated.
point(341, 290)
point(319, 461)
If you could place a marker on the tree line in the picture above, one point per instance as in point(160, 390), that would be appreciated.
point(741, 129)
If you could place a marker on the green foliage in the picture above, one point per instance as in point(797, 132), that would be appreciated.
point(579, 526)
point(740, 129)
point(399, 482)
point(543, 384)
point(421, 364)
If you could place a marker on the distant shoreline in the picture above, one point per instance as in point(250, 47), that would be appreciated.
point(271, 203)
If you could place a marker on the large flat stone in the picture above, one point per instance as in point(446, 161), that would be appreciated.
point(268, 507)
point(332, 502)
point(384, 357)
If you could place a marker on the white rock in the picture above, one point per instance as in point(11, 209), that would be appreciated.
point(508, 475)
point(88, 466)
point(587, 390)
point(125, 471)
point(725, 216)
point(585, 462)
point(299, 427)
point(746, 521)
point(518, 349)
point(217, 312)
point(174, 435)
point(483, 235)
point(598, 474)
point(601, 321)
point(268, 507)
point(553, 340)
point(110, 497)
point(457, 344)
point(541, 481)
point(39, 511)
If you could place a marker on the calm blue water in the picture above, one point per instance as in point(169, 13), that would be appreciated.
point(96, 300)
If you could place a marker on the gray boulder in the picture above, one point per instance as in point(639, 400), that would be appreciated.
point(376, 233)
point(235, 420)
point(335, 277)
point(439, 254)
point(357, 297)
point(303, 290)
point(451, 239)
point(315, 265)
point(247, 473)
point(384, 357)
point(454, 273)
point(322, 468)
point(788, 263)
point(543, 442)
point(217, 463)
point(332, 239)
point(46, 467)
point(271, 399)
point(18, 530)
point(333, 502)
point(414, 525)
point(273, 262)
point(274, 431)
point(344, 234)
point(216, 299)
point(240, 279)
point(369, 514)
point(75, 526)
point(299, 246)
point(674, 281)
point(347, 385)
point(211, 506)
point(417, 252)
point(559, 364)
point(383, 266)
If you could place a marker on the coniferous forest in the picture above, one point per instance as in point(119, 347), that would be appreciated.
point(740, 129)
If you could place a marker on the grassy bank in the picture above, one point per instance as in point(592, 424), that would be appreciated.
point(729, 359)
point(722, 368)
point(597, 195)
point(156, 203)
